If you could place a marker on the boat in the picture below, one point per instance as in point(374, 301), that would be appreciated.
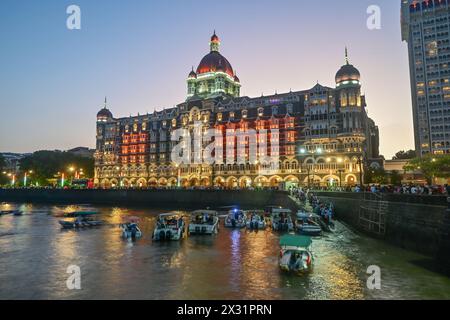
point(169, 226)
point(236, 219)
point(223, 211)
point(131, 230)
point(82, 220)
point(204, 222)
point(13, 212)
point(281, 220)
point(307, 224)
point(255, 220)
point(74, 214)
point(296, 255)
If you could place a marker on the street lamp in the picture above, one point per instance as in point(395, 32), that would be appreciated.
point(360, 163)
point(25, 177)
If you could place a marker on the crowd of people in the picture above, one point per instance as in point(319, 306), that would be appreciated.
point(402, 189)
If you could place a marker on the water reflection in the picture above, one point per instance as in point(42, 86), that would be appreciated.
point(234, 264)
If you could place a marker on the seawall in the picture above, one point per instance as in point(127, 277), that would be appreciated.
point(417, 223)
point(174, 199)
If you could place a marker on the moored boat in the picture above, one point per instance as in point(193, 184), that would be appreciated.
point(169, 226)
point(82, 220)
point(204, 222)
point(296, 255)
point(255, 220)
point(281, 219)
point(130, 228)
point(236, 219)
point(307, 224)
point(13, 212)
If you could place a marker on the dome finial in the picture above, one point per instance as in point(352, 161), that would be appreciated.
point(346, 56)
point(104, 107)
point(215, 42)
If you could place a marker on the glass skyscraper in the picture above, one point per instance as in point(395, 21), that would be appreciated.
point(425, 27)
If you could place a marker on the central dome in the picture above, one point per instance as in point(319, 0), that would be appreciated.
point(215, 62)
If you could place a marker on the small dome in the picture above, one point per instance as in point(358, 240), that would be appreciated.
point(214, 37)
point(347, 73)
point(236, 79)
point(192, 74)
point(104, 113)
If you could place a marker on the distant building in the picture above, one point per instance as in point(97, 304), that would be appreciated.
point(425, 27)
point(82, 152)
point(414, 177)
point(324, 134)
point(13, 161)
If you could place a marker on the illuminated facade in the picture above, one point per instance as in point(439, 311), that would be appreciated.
point(323, 134)
point(425, 26)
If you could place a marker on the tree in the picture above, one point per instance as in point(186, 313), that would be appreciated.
point(395, 178)
point(402, 155)
point(46, 165)
point(378, 176)
point(3, 179)
point(432, 166)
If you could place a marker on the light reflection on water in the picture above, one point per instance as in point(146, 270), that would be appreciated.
point(234, 264)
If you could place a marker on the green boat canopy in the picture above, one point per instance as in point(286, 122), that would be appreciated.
point(82, 213)
point(292, 240)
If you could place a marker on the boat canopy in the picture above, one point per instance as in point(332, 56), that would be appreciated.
point(82, 213)
point(291, 240)
point(208, 212)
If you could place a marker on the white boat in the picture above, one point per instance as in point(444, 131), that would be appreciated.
point(204, 222)
point(307, 224)
point(169, 226)
point(131, 231)
point(255, 220)
point(296, 255)
point(236, 219)
point(281, 219)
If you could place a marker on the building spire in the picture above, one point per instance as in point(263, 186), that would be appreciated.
point(215, 42)
point(104, 107)
point(346, 56)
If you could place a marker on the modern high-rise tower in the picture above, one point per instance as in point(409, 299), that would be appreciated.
point(426, 27)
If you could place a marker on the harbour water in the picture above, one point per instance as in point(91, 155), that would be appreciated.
point(234, 264)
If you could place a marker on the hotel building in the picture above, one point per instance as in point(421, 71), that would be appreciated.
point(425, 27)
point(323, 134)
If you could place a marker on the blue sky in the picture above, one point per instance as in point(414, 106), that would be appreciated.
point(138, 54)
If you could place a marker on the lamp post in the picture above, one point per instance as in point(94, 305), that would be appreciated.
point(25, 177)
point(360, 163)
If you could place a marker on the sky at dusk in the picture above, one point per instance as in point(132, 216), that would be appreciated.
point(138, 53)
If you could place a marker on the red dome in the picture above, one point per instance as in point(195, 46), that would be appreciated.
point(214, 62)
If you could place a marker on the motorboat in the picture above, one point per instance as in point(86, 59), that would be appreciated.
point(296, 255)
point(13, 212)
point(255, 220)
point(74, 214)
point(83, 220)
point(131, 231)
point(307, 224)
point(169, 226)
point(281, 220)
point(236, 219)
point(223, 211)
point(204, 222)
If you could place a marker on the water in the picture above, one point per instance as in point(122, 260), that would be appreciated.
point(235, 264)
